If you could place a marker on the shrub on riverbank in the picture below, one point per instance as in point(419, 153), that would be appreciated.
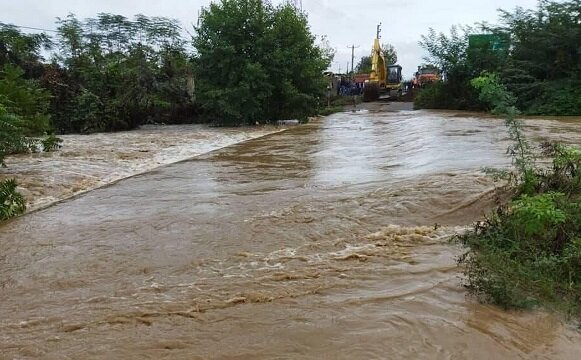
point(23, 119)
point(11, 201)
point(528, 252)
point(441, 95)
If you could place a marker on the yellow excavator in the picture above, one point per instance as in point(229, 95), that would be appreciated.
point(378, 65)
point(379, 81)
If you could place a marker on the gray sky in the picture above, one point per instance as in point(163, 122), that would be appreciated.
point(345, 22)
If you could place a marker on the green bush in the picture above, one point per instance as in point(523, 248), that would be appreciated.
point(440, 95)
point(11, 201)
point(331, 110)
point(557, 98)
point(51, 143)
point(528, 252)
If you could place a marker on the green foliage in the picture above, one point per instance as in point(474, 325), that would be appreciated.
point(440, 95)
point(543, 69)
point(22, 50)
point(537, 214)
point(390, 53)
point(26, 99)
point(494, 93)
point(113, 73)
point(528, 253)
point(23, 117)
point(558, 98)
point(23, 107)
point(257, 63)
point(451, 54)
point(11, 201)
point(51, 143)
point(364, 66)
point(540, 67)
point(11, 138)
point(501, 102)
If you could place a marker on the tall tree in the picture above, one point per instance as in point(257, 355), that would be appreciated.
point(390, 53)
point(22, 50)
point(364, 65)
point(257, 63)
point(122, 73)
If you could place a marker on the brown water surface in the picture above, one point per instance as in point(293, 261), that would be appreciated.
point(315, 243)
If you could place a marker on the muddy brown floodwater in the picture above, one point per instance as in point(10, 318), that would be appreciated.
point(86, 162)
point(314, 243)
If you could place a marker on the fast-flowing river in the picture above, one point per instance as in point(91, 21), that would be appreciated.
point(315, 243)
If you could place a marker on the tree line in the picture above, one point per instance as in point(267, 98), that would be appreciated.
point(536, 55)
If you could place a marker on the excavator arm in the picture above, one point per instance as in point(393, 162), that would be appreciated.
point(378, 65)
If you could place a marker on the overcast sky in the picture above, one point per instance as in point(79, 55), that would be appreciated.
point(345, 22)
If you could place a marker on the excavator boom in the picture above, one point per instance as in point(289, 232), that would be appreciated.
point(378, 65)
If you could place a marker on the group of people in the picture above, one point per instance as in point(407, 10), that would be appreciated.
point(349, 88)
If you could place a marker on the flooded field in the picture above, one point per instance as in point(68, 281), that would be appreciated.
point(86, 162)
point(314, 243)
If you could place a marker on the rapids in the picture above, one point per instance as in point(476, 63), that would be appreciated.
point(314, 243)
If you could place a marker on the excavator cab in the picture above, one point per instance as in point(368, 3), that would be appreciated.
point(394, 75)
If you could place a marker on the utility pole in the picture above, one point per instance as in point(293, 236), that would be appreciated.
point(353, 47)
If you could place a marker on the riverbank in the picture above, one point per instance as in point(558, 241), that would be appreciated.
point(87, 162)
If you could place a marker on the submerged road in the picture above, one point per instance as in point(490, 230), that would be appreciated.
point(314, 243)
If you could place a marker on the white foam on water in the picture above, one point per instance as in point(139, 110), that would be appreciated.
point(87, 162)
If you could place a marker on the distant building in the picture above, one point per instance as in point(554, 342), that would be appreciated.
point(360, 79)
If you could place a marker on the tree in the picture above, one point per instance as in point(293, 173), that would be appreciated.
point(22, 50)
point(23, 115)
point(257, 63)
point(543, 67)
point(24, 99)
point(389, 53)
point(364, 66)
point(538, 58)
point(449, 53)
point(120, 73)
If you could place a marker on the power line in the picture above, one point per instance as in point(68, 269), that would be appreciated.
point(31, 28)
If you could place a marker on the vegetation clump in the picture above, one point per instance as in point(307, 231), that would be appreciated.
point(535, 54)
point(12, 203)
point(23, 122)
point(258, 63)
point(528, 252)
